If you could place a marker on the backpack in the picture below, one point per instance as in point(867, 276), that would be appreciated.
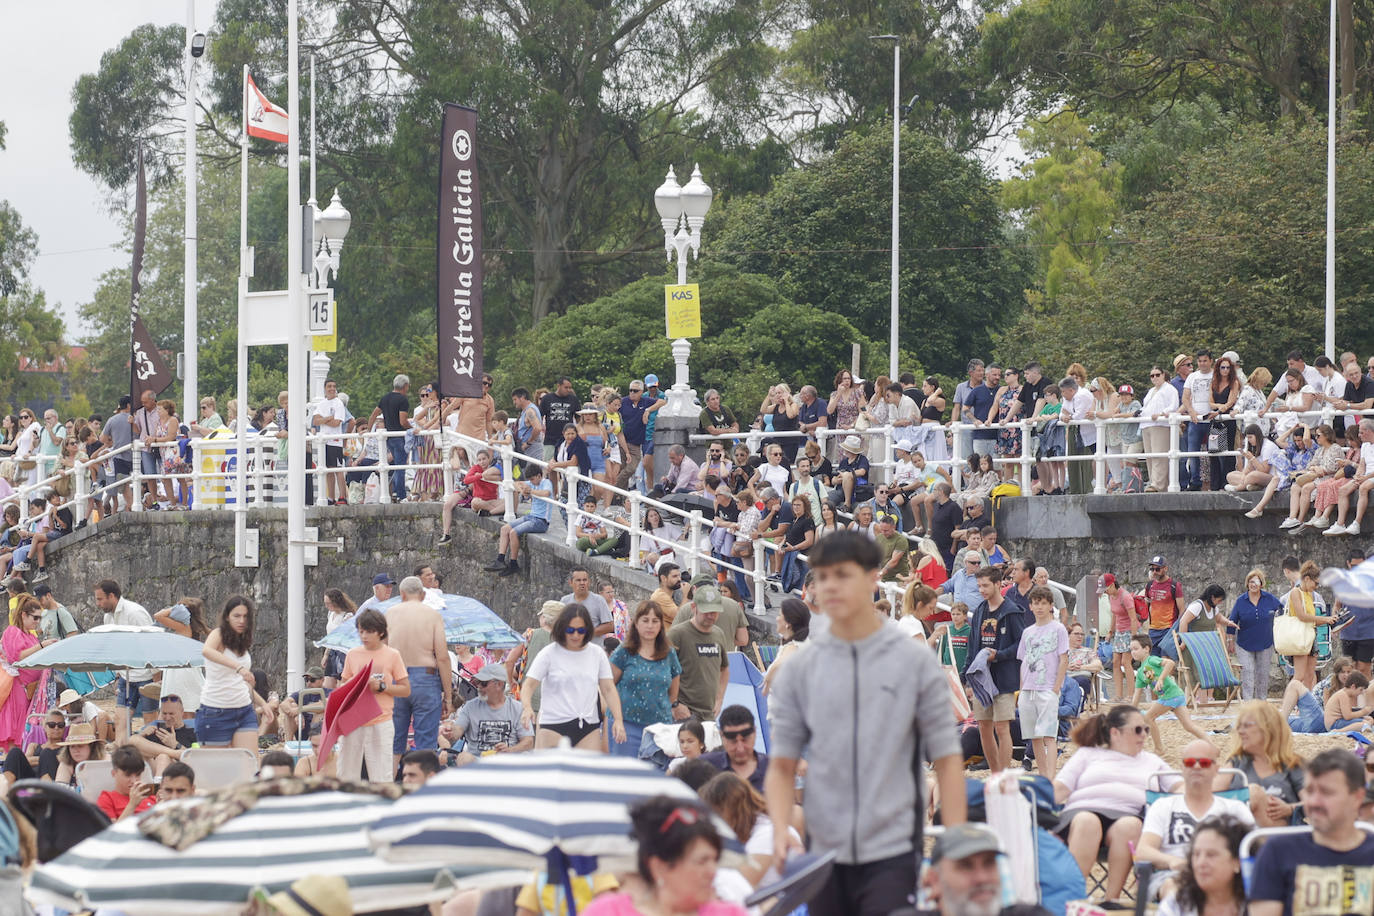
point(1007, 490)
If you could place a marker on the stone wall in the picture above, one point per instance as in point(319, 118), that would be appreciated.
point(157, 557)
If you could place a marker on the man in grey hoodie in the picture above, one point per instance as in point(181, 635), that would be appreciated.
point(870, 704)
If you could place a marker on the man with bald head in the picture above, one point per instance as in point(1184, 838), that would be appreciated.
point(416, 630)
point(1171, 822)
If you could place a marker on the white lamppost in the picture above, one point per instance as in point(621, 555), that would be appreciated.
point(896, 172)
point(330, 229)
point(195, 48)
point(682, 210)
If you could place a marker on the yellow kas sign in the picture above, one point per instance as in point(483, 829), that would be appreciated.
point(682, 305)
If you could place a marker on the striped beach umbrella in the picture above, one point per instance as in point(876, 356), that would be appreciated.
point(280, 839)
point(531, 810)
point(467, 621)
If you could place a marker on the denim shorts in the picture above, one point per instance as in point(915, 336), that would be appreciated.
point(529, 524)
point(127, 696)
point(217, 727)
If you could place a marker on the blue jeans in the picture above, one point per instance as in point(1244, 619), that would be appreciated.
point(425, 705)
point(793, 571)
point(396, 455)
point(1197, 442)
point(634, 735)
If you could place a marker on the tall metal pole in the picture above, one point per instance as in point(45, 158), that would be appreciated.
point(896, 171)
point(190, 320)
point(1331, 195)
point(295, 371)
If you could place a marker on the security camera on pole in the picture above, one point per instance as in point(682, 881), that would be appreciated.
point(682, 210)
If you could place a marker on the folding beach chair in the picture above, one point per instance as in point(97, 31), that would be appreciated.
point(1248, 852)
point(764, 655)
point(1207, 665)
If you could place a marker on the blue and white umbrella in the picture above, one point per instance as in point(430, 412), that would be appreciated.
point(114, 647)
point(280, 839)
point(533, 810)
point(467, 621)
point(1354, 587)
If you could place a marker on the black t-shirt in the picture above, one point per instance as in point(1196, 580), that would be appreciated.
point(391, 405)
point(66, 520)
point(1355, 394)
point(729, 513)
point(796, 532)
point(557, 412)
point(1308, 878)
point(721, 418)
point(185, 736)
point(943, 521)
point(1030, 393)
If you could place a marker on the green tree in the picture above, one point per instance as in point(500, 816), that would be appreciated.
point(1067, 196)
point(1230, 256)
point(822, 232)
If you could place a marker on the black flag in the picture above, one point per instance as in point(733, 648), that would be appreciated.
point(459, 308)
point(147, 371)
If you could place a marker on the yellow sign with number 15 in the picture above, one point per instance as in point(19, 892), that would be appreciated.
point(682, 305)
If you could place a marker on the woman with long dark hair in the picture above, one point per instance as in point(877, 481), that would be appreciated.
point(646, 670)
point(340, 609)
point(226, 717)
point(570, 674)
point(1210, 881)
point(794, 626)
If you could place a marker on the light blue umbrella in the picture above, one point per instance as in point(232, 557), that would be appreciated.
point(1354, 587)
point(467, 622)
point(114, 647)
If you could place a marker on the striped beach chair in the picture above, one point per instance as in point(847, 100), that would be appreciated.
point(1206, 664)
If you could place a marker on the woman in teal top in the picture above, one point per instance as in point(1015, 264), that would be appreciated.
point(1156, 675)
point(646, 671)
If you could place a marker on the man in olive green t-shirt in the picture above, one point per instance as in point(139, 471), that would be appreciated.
point(893, 547)
point(704, 653)
point(732, 621)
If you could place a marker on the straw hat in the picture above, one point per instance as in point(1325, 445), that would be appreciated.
point(68, 697)
point(314, 895)
point(852, 444)
point(80, 733)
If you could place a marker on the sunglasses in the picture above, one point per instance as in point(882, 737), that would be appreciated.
point(54, 724)
point(486, 384)
point(1138, 729)
point(679, 816)
point(575, 630)
point(1200, 763)
point(1156, 375)
point(735, 736)
point(1156, 568)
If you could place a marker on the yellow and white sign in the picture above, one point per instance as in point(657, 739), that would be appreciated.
point(324, 343)
point(682, 305)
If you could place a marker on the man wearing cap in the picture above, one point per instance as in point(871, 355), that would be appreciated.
point(656, 401)
point(964, 879)
point(732, 621)
point(1165, 597)
point(635, 413)
point(704, 653)
point(416, 630)
point(382, 587)
point(489, 723)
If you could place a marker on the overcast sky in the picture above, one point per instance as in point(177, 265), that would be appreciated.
point(49, 46)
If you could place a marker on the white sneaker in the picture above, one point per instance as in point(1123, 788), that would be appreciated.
point(1319, 521)
point(1289, 522)
point(1334, 530)
point(1231, 488)
point(1352, 528)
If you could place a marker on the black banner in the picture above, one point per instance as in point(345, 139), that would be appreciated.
point(147, 371)
point(459, 307)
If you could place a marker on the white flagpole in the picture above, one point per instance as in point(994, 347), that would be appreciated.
point(295, 363)
point(241, 380)
point(190, 319)
point(1331, 195)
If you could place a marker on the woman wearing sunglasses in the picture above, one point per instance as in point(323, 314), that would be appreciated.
point(40, 761)
point(21, 640)
point(1262, 749)
point(571, 674)
point(1102, 789)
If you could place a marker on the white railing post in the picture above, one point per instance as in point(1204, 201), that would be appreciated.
point(636, 525)
point(1173, 458)
point(887, 453)
point(570, 502)
point(1027, 425)
point(760, 576)
point(956, 464)
point(384, 467)
point(259, 454)
point(81, 491)
point(1100, 459)
point(136, 475)
point(446, 456)
point(694, 544)
point(507, 480)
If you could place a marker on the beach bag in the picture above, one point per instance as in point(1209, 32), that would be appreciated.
point(958, 699)
point(1293, 636)
point(356, 493)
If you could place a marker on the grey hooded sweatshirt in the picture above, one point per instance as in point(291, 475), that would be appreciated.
point(858, 708)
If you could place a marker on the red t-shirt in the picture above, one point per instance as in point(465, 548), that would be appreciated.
point(481, 489)
point(1163, 599)
point(114, 803)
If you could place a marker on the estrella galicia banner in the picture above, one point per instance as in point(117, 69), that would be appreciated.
point(460, 257)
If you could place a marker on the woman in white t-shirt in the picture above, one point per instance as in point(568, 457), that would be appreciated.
point(572, 671)
point(1257, 462)
point(1296, 404)
point(1102, 789)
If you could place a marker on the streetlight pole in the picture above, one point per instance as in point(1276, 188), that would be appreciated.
point(1331, 194)
point(896, 172)
point(195, 46)
point(295, 370)
point(682, 211)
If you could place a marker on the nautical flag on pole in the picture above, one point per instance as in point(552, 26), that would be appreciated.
point(264, 119)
